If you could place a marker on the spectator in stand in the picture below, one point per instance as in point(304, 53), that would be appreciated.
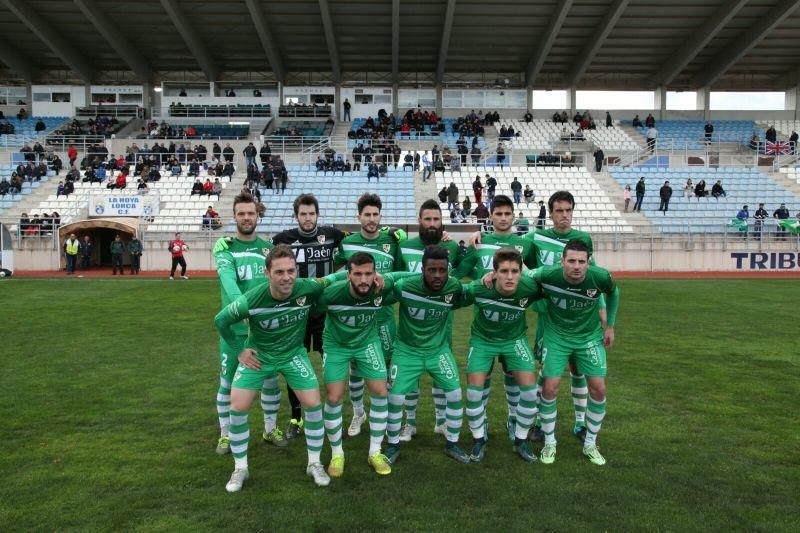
point(455, 165)
point(197, 187)
point(491, 186)
point(122, 180)
point(208, 187)
point(216, 188)
point(781, 214)
point(501, 155)
point(135, 248)
point(228, 170)
point(742, 217)
point(358, 152)
point(793, 143)
point(665, 193)
point(640, 190)
point(5, 186)
point(759, 216)
point(609, 121)
point(717, 190)
point(141, 187)
point(69, 188)
point(265, 152)
point(373, 172)
point(176, 248)
point(194, 168)
point(626, 196)
point(210, 219)
point(452, 196)
point(282, 179)
point(688, 189)
point(652, 136)
point(481, 213)
point(700, 189)
point(599, 156)
point(477, 189)
point(427, 169)
point(86, 252)
point(650, 121)
point(346, 105)
point(117, 251)
point(771, 134)
point(466, 206)
point(59, 189)
point(528, 116)
point(227, 153)
point(516, 189)
point(175, 167)
point(71, 249)
point(522, 224)
point(72, 154)
point(528, 194)
point(408, 161)
point(708, 130)
point(475, 154)
point(216, 150)
point(250, 153)
point(540, 220)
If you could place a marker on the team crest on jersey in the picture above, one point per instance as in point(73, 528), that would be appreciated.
point(377, 301)
point(591, 292)
point(301, 301)
point(387, 247)
point(522, 302)
point(265, 251)
point(321, 239)
point(448, 298)
point(518, 248)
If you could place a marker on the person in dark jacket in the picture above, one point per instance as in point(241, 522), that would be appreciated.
point(136, 249)
point(117, 250)
point(665, 193)
point(640, 190)
point(86, 252)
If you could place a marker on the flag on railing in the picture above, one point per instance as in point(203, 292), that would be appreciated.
point(791, 225)
point(777, 148)
point(738, 223)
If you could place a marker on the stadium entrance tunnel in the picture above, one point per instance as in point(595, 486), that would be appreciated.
point(101, 232)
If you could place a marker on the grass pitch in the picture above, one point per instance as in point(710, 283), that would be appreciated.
point(108, 423)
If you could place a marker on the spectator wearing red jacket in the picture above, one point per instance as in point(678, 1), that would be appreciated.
point(176, 248)
point(207, 187)
point(72, 153)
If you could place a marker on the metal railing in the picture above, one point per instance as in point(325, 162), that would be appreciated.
point(111, 110)
point(305, 111)
point(214, 111)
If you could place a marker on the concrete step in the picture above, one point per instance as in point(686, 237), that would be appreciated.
point(615, 193)
point(784, 180)
point(30, 204)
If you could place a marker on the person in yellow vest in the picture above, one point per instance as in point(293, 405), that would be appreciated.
point(71, 248)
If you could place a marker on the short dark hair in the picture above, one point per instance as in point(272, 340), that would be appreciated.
point(560, 196)
point(429, 204)
point(280, 251)
point(434, 252)
point(506, 254)
point(369, 200)
point(305, 199)
point(576, 245)
point(501, 200)
point(360, 258)
point(243, 198)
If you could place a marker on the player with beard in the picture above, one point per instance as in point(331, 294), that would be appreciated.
point(240, 267)
point(431, 232)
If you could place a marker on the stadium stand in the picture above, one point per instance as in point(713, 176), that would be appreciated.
point(594, 212)
point(7, 201)
point(690, 132)
point(25, 129)
point(743, 186)
point(239, 110)
point(292, 128)
point(793, 173)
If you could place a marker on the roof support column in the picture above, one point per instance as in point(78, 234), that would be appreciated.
point(702, 101)
point(571, 101)
point(439, 93)
point(395, 96)
point(337, 101)
point(661, 102)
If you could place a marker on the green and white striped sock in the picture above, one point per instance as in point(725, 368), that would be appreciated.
point(580, 391)
point(547, 415)
point(356, 391)
point(378, 416)
point(475, 411)
point(314, 431)
point(395, 417)
point(270, 402)
point(240, 436)
point(224, 406)
point(333, 426)
point(512, 395)
point(454, 414)
point(594, 420)
point(410, 404)
point(526, 410)
point(439, 405)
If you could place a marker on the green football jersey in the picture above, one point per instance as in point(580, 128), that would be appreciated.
point(240, 268)
point(411, 254)
point(423, 323)
point(572, 310)
point(548, 244)
point(383, 249)
point(276, 327)
point(497, 317)
point(351, 322)
point(479, 260)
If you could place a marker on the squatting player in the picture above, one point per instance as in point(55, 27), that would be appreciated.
point(422, 345)
point(277, 313)
point(431, 232)
point(573, 330)
point(240, 267)
point(499, 329)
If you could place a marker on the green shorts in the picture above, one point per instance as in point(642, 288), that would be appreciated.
point(296, 369)
point(589, 355)
point(368, 360)
point(387, 331)
point(516, 356)
point(228, 359)
point(408, 364)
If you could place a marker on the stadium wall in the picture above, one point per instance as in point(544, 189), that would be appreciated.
point(669, 257)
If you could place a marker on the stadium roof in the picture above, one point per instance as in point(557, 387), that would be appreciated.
point(682, 44)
